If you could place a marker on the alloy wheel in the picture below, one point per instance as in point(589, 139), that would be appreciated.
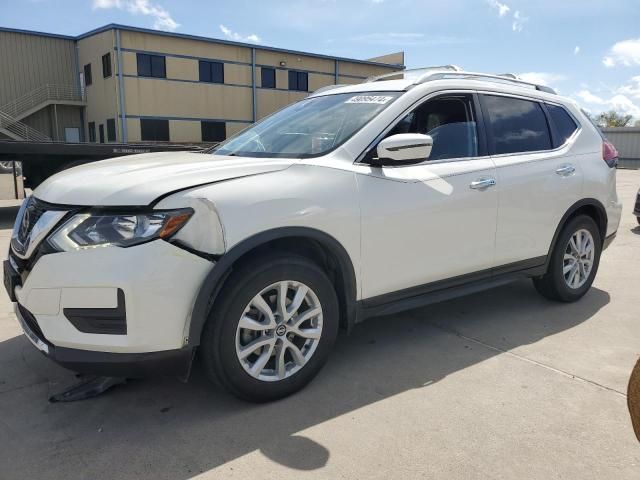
point(578, 258)
point(279, 330)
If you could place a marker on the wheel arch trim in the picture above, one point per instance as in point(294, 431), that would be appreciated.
point(215, 279)
point(585, 202)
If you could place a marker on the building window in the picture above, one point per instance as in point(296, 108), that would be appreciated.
point(106, 65)
point(101, 132)
point(92, 131)
point(298, 81)
point(111, 130)
point(154, 130)
point(87, 75)
point(211, 72)
point(213, 131)
point(151, 65)
point(268, 77)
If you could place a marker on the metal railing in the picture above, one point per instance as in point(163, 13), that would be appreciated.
point(40, 95)
point(21, 130)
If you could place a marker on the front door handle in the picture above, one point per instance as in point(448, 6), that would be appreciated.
point(482, 183)
point(565, 170)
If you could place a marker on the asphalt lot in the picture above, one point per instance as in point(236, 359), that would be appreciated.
point(502, 384)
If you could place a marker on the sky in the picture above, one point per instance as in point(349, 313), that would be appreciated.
point(587, 50)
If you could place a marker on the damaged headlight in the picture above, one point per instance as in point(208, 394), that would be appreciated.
point(91, 230)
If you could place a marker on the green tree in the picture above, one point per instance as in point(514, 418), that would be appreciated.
point(613, 119)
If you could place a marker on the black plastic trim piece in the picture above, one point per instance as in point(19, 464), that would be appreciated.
point(608, 240)
point(216, 277)
point(447, 289)
point(107, 321)
point(130, 365)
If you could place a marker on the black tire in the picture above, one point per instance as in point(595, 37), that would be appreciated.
point(552, 285)
point(218, 347)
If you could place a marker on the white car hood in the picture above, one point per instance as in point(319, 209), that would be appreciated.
point(140, 179)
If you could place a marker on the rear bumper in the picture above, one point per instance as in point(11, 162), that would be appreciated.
point(131, 365)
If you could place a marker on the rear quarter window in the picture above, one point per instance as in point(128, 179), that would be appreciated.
point(564, 124)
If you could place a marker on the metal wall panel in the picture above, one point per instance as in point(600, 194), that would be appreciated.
point(30, 61)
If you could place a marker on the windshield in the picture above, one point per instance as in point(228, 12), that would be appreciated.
point(308, 128)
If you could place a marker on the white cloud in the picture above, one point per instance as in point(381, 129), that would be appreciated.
point(620, 101)
point(542, 78)
point(162, 19)
point(502, 8)
point(236, 37)
point(626, 53)
point(518, 21)
point(576, 50)
point(588, 97)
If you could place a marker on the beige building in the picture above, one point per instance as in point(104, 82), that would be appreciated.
point(125, 84)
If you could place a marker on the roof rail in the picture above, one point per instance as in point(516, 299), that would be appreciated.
point(507, 78)
point(422, 75)
point(413, 72)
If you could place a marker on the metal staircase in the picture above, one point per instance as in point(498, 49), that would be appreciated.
point(17, 130)
point(31, 102)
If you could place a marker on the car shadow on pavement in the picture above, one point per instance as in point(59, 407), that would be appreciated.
point(156, 429)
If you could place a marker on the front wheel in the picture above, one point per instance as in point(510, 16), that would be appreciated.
point(272, 329)
point(573, 263)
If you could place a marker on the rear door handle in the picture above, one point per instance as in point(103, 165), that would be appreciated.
point(482, 183)
point(565, 170)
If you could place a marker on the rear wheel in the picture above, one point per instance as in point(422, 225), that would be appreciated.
point(272, 329)
point(573, 263)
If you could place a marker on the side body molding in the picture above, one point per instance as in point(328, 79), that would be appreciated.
point(215, 280)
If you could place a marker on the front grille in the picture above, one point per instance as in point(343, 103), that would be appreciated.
point(31, 322)
point(35, 221)
point(30, 215)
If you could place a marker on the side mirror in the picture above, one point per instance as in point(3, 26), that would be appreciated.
point(405, 147)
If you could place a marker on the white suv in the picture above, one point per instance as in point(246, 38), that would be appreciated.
point(360, 200)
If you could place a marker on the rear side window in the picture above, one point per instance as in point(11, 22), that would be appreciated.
point(565, 125)
point(517, 125)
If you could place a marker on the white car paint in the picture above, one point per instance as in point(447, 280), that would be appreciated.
point(402, 226)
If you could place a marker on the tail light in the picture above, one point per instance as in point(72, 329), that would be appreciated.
point(609, 153)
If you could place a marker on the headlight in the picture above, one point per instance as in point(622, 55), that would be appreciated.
point(91, 230)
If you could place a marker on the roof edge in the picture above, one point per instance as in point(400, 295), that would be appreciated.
point(35, 32)
point(128, 28)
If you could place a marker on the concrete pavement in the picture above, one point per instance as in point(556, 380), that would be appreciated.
point(502, 384)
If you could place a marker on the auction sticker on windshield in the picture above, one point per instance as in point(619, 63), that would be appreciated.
point(381, 99)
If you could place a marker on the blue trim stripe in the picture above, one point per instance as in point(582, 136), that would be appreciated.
point(212, 83)
point(190, 119)
point(189, 81)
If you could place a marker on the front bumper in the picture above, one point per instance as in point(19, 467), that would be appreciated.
point(153, 286)
point(130, 365)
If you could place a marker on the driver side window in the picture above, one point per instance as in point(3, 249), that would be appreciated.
point(451, 122)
